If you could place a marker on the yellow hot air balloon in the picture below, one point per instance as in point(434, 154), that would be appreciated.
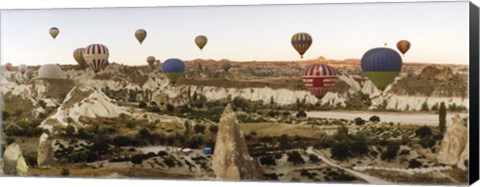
point(54, 31)
point(201, 41)
point(301, 42)
point(78, 56)
point(140, 34)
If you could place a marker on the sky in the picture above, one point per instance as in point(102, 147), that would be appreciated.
point(438, 32)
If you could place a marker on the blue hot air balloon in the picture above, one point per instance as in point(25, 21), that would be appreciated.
point(381, 65)
point(173, 69)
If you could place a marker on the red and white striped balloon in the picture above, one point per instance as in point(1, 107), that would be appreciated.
point(319, 78)
point(96, 56)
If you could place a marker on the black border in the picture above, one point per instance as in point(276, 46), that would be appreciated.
point(474, 95)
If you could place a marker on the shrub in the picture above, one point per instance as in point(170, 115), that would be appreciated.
point(359, 121)
point(69, 130)
point(199, 128)
point(414, 163)
point(423, 131)
point(9, 140)
point(301, 114)
point(295, 158)
point(340, 150)
point(162, 153)
point(137, 159)
point(65, 172)
point(374, 119)
point(313, 158)
point(268, 161)
point(142, 104)
point(169, 161)
point(284, 142)
point(5, 115)
point(391, 152)
point(213, 128)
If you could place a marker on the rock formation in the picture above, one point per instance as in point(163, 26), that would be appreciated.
point(454, 141)
point(463, 158)
point(45, 157)
point(13, 161)
point(231, 160)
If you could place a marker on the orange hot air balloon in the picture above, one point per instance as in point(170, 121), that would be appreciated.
point(403, 46)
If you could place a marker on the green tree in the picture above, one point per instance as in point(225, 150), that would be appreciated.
point(425, 106)
point(213, 128)
point(340, 150)
point(423, 131)
point(284, 142)
point(374, 119)
point(69, 130)
point(199, 128)
point(442, 115)
point(359, 121)
point(295, 158)
point(142, 104)
point(268, 161)
point(414, 163)
point(137, 159)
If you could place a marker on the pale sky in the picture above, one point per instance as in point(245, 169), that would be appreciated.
point(438, 32)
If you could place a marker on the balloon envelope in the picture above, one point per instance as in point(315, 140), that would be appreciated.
point(96, 56)
point(54, 31)
point(381, 65)
point(403, 46)
point(173, 69)
point(319, 78)
point(140, 34)
point(226, 66)
point(201, 41)
point(22, 68)
point(151, 61)
point(301, 42)
point(78, 56)
point(9, 67)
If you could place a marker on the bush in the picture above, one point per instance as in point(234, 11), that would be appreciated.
point(195, 141)
point(137, 159)
point(5, 115)
point(199, 128)
point(169, 161)
point(65, 172)
point(391, 152)
point(9, 140)
point(295, 158)
point(313, 158)
point(359, 121)
point(213, 128)
point(414, 163)
point(374, 119)
point(69, 130)
point(423, 131)
point(284, 142)
point(268, 161)
point(301, 114)
point(142, 104)
point(162, 153)
point(340, 150)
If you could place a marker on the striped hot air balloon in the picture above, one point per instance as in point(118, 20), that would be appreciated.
point(301, 42)
point(381, 65)
point(319, 78)
point(96, 56)
point(403, 46)
point(173, 69)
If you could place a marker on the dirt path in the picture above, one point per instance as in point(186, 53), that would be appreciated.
point(368, 178)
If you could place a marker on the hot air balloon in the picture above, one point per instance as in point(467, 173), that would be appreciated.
point(201, 41)
point(78, 56)
point(403, 46)
point(173, 69)
point(50, 71)
point(9, 67)
point(29, 74)
point(140, 34)
point(226, 66)
point(301, 42)
point(54, 32)
point(158, 64)
point(151, 61)
point(96, 56)
point(381, 65)
point(319, 78)
point(22, 68)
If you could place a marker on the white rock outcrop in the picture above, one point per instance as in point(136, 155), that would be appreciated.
point(231, 160)
point(13, 161)
point(45, 154)
point(454, 142)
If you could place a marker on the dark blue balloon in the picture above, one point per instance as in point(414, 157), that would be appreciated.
point(381, 59)
point(173, 65)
